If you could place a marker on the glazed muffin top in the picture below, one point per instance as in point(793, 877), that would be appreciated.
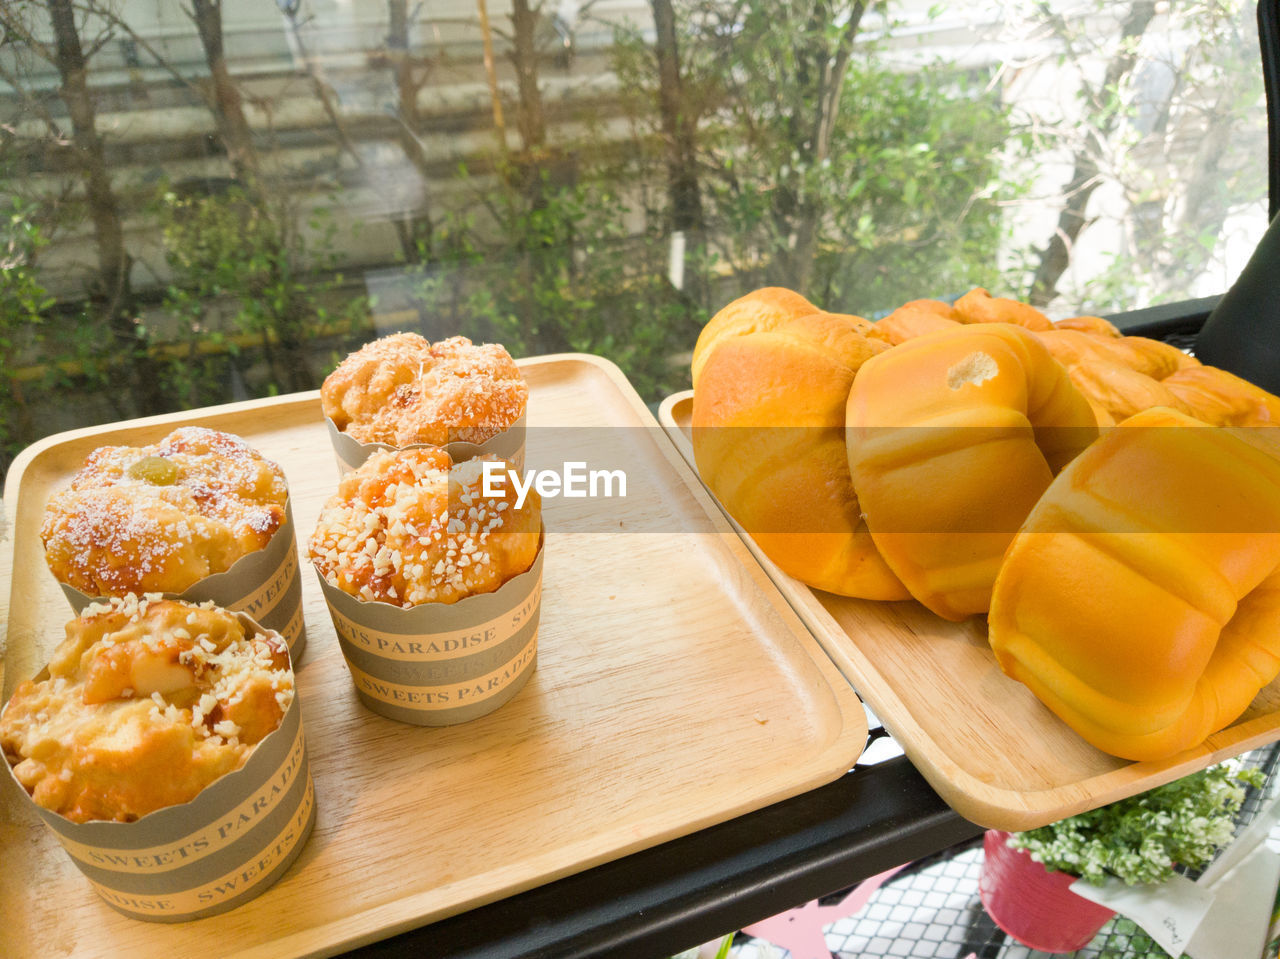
point(147, 702)
point(403, 390)
point(159, 518)
point(410, 527)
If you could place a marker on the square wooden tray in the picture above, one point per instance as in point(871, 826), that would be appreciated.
point(982, 740)
point(676, 688)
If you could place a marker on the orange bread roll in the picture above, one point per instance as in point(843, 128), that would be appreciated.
point(1140, 601)
point(915, 319)
point(1222, 398)
point(1142, 354)
point(937, 307)
point(979, 306)
point(1116, 392)
point(1120, 375)
point(768, 436)
point(758, 312)
point(952, 437)
point(1088, 324)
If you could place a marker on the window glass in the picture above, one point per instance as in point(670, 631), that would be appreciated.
point(211, 201)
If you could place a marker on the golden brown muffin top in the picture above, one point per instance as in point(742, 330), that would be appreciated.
point(147, 702)
point(410, 527)
point(159, 518)
point(403, 390)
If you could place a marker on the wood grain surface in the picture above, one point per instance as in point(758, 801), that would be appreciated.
point(675, 688)
point(982, 740)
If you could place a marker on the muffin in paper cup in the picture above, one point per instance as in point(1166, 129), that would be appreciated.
point(404, 392)
point(433, 586)
point(508, 445)
point(175, 801)
point(198, 516)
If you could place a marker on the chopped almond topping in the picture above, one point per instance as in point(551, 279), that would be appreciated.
point(410, 527)
point(148, 701)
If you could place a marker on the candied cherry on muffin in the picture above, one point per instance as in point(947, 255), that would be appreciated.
point(159, 518)
point(411, 527)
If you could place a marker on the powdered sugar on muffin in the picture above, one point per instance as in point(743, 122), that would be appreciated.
point(159, 518)
point(403, 390)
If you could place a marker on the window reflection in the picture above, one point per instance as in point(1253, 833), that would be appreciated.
point(217, 200)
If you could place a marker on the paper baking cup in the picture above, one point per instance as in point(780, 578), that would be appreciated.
point(211, 854)
point(265, 584)
point(438, 664)
point(509, 445)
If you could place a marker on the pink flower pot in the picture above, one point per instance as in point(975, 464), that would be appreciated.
point(1032, 904)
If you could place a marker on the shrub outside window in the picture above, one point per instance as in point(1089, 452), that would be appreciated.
point(217, 201)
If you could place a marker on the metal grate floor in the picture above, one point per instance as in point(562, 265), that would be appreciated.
point(931, 909)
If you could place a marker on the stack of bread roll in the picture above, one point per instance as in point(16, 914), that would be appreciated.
point(1119, 375)
point(925, 456)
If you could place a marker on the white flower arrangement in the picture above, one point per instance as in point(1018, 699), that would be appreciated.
point(1141, 839)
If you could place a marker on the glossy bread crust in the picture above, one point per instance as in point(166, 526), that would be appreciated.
point(768, 438)
point(952, 437)
point(1119, 375)
point(1140, 601)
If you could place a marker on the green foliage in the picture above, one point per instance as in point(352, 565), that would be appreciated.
point(51, 354)
point(23, 300)
point(863, 193)
point(913, 189)
point(722, 950)
point(23, 304)
point(245, 276)
point(552, 269)
point(827, 161)
point(1141, 839)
